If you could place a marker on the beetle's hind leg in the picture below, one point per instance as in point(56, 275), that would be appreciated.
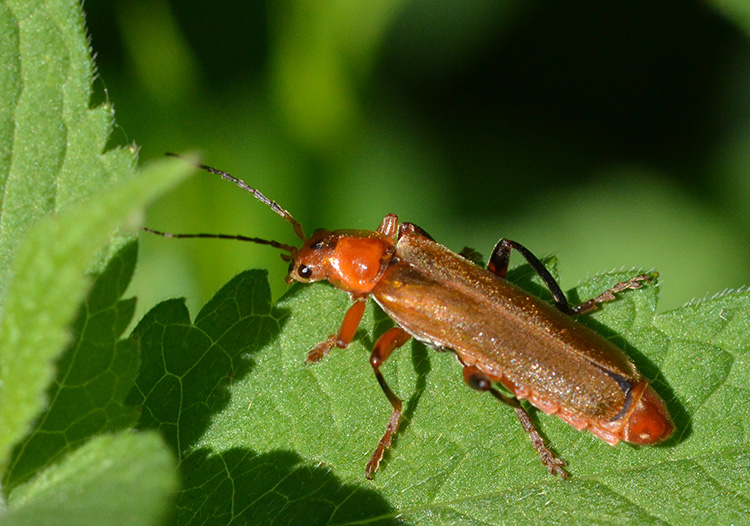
point(498, 265)
point(475, 379)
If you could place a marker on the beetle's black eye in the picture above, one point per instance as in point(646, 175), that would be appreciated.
point(304, 271)
point(317, 245)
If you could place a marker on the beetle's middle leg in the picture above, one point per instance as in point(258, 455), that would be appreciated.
point(391, 340)
point(476, 379)
point(498, 265)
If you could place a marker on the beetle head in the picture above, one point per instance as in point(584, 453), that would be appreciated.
point(309, 262)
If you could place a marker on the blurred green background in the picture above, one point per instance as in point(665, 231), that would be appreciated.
point(613, 135)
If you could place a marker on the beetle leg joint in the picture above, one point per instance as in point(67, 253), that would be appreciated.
point(475, 379)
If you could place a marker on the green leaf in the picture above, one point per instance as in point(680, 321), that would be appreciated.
point(113, 479)
point(295, 438)
point(48, 285)
point(92, 378)
point(62, 383)
point(51, 141)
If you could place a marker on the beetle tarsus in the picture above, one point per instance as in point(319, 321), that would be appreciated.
point(385, 442)
point(553, 463)
point(610, 294)
point(321, 350)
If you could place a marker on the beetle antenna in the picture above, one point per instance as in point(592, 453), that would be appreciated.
point(287, 248)
point(273, 205)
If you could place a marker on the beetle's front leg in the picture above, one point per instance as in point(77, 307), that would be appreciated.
point(345, 335)
point(476, 379)
point(498, 265)
point(391, 340)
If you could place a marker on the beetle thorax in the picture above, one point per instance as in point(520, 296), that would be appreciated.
point(358, 262)
point(350, 260)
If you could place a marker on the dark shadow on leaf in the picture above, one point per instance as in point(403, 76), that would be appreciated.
point(420, 358)
point(187, 368)
point(382, 323)
point(240, 486)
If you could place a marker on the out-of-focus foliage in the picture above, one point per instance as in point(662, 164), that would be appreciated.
point(64, 372)
point(613, 135)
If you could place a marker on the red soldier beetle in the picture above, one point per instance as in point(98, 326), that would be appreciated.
point(498, 332)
